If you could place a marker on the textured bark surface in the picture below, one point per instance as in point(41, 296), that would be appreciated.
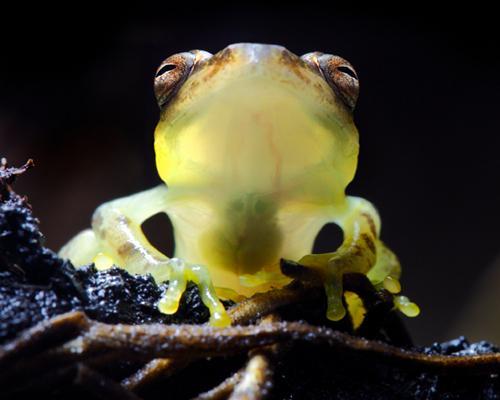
point(98, 334)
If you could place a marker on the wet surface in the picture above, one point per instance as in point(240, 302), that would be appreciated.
point(35, 285)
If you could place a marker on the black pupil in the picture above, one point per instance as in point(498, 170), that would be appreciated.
point(348, 71)
point(165, 68)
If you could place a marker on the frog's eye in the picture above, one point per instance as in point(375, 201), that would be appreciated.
point(339, 74)
point(174, 71)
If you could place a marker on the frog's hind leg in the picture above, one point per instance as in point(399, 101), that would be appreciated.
point(82, 249)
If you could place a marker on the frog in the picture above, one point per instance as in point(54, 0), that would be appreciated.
point(255, 147)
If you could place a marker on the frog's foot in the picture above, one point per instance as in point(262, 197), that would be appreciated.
point(85, 249)
point(330, 268)
point(178, 272)
point(385, 275)
point(407, 307)
point(379, 264)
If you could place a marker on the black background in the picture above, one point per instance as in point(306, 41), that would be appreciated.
point(76, 95)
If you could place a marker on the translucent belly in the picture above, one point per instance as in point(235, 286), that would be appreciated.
point(242, 250)
point(252, 172)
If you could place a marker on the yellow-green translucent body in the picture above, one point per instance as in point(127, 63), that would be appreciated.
point(254, 166)
point(256, 150)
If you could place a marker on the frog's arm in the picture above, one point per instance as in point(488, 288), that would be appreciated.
point(117, 236)
point(361, 251)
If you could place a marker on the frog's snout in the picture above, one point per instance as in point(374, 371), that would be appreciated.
point(255, 52)
point(336, 71)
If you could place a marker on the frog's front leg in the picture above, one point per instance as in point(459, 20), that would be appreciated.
point(361, 252)
point(116, 228)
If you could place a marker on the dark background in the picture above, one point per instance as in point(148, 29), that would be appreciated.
point(76, 95)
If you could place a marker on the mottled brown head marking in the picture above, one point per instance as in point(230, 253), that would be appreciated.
point(339, 74)
point(218, 61)
point(173, 72)
point(294, 63)
point(222, 57)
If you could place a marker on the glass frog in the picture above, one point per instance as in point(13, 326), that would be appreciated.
point(256, 147)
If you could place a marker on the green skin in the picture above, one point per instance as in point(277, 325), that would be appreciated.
point(257, 150)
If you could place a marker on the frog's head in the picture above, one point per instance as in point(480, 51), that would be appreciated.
point(257, 118)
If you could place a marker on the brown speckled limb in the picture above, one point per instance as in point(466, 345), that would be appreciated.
point(43, 335)
point(241, 313)
point(100, 386)
point(79, 375)
point(223, 389)
point(148, 341)
point(256, 379)
point(158, 368)
point(259, 305)
point(262, 304)
point(38, 351)
point(251, 382)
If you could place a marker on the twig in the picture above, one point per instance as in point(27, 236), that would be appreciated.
point(76, 374)
point(262, 304)
point(256, 379)
point(223, 389)
point(148, 341)
point(44, 335)
point(158, 368)
point(101, 386)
